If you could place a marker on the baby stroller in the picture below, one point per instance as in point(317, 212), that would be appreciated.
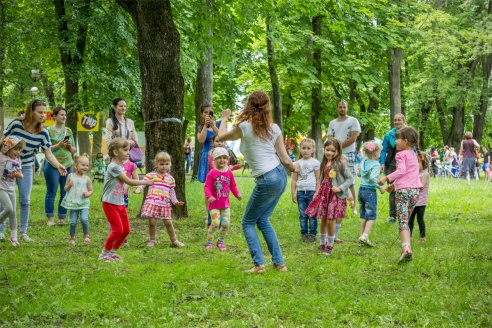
point(99, 168)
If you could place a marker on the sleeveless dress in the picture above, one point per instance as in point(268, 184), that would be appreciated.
point(326, 204)
point(75, 199)
point(207, 146)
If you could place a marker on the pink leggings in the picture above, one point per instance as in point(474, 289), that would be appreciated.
point(120, 225)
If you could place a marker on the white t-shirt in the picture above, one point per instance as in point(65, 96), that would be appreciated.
point(306, 179)
point(342, 130)
point(123, 130)
point(260, 154)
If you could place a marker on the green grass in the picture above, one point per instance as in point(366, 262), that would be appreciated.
point(49, 283)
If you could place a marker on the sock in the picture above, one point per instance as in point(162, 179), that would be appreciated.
point(13, 233)
point(221, 240)
point(405, 244)
point(337, 229)
point(111, 252)
point(209, 242)
point(365, 235)
point(104, 252)
point(331, 240)
point(322, 238)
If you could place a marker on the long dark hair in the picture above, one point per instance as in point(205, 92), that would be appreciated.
point(202, 108)
point(112, 114)
point(338, 162)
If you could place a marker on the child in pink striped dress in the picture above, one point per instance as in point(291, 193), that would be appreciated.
point(219, 182)
point(161, 194)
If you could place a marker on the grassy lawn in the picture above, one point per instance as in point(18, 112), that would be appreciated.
point(49, 283)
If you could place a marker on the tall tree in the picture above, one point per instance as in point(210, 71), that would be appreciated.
point(316, 92)
point(277, 96)
point(158, 44)
point(72, 56)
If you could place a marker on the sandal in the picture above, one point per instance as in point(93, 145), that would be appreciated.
point(116, 257)
point(422, 240)
point(61, 221)
point(177, 244)
point(105, 258)
point(87, 240)
point(71, 241)
point(151, 243)
point(281, 267)
point(338, 240)
point(256, 269)
point(406, 255)
point(14, 242)
point(25, 238)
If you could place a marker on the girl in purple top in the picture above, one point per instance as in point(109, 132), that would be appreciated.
point(419, 209)
point(219, 182)
point(406, 183)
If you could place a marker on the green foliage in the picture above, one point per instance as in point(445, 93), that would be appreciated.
point(50, 283)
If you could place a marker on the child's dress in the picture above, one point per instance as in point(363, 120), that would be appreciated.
point(161, 194)
point(326, 204)
point(75, 199)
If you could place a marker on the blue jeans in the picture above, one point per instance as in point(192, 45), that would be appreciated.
point(53, 179)
point(25, 187)
point(265, 196)
point(303, 200)
point(84, 219)
point(188, 162)
point(368, 203)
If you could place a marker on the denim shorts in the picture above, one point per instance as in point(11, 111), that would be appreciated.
point(368, 202)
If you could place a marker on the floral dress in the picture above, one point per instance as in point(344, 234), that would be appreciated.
point(326, 204)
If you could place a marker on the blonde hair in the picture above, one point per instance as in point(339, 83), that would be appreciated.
point(371, 149)
point(116, 144)
point(162, 156)
point(77, 158)
point(312, 142)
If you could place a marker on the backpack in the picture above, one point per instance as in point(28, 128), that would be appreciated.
point(232, 157)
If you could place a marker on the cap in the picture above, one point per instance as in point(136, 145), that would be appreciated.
point(220, 152)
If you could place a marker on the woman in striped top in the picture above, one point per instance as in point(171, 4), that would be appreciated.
point(30, 129)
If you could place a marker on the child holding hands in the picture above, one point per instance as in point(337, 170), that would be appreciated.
point(219, 182)
point(369, 171)
point(157, 204)
point(10, 169)
point(79, 189)
point(330, 201)
point(113, 198)
point(303, 186)
point(407, 185)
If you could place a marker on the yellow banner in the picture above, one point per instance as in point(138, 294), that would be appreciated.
point(87, 121)
point(50, 119)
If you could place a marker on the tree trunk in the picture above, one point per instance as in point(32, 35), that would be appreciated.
point(316, 91)
point(277, 97)
point(394, 76)
point(425, 109)
point(440, 108)
point(479, 117)
point(457, 126)
point(158, 45)
point(204, 78)
point(49, 90)
point(72, 61)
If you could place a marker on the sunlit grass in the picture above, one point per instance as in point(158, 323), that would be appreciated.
point(49, 283)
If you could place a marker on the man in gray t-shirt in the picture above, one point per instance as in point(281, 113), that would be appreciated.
point(345, 128)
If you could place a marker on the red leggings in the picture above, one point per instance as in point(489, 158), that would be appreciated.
point(120, 225)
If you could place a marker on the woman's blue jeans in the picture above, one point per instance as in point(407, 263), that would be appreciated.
point(188, 162)
point(25, 187)
point(265, 196)
point(53, 180)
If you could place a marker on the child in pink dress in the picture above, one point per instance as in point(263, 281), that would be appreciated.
point(330, 201)
point(157, 204)
point(407, 185)
point(219, 182)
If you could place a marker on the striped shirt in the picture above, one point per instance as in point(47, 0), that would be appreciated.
point(33, 141)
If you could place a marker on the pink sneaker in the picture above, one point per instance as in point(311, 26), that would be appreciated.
point(328, 250)
point(209, 246)
point(406, 255)
point(220, 245)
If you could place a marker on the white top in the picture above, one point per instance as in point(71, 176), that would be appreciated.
point(342, 130)
point(8, 165)
point(260, 154)
point(306, 179)
point(123, 130)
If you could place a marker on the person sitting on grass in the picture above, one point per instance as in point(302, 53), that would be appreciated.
point(220, 181)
